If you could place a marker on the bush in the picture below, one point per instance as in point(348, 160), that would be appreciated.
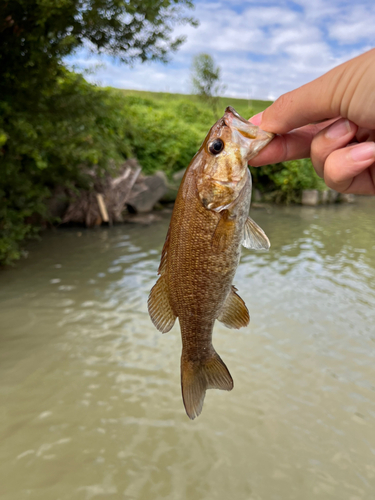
point(52, 143)
point(166, 137)
point(169, 130)
point(284, 182)
point(54, 125)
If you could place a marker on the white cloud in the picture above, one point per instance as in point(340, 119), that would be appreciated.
point(263, 51)
point(354, 27)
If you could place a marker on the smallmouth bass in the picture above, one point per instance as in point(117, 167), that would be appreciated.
point(202, 250)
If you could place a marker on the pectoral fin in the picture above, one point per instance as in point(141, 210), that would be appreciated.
point(234, 313)
point(159, 307)
point(254, 236)
point(222, 232)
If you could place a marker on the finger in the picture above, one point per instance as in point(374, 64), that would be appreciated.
point(365, 134)
point(336, 136)
point(364, 183)
point(291, 146)
point(256, 119)
point(352, 169)
point(326, 97)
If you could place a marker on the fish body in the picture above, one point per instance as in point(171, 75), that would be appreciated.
point(202, 251)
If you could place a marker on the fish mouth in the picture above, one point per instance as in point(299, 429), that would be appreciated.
point(259, 137)
point(234, 113)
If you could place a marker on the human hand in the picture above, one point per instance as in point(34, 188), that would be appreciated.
point(341, 141)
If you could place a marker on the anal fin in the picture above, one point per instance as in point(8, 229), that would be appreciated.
point(159, 307)
point(254, 236)
point(164, 253)
point(234, 313)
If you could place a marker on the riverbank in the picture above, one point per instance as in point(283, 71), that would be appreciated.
point(81, 134)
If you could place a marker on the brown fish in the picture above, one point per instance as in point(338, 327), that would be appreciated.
point(202, 251)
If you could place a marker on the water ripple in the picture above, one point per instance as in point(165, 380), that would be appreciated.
point(91, 397)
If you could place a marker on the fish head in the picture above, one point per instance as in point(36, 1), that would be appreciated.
point(224, 156)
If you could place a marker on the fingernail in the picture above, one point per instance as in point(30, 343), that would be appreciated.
point(363, 152)
point(256, 119)
point(338, 129)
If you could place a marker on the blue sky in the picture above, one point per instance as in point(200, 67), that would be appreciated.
point(264, 48)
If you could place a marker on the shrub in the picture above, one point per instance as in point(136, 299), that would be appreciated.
point(52, 143)
point(166, 137)
point(284, 182)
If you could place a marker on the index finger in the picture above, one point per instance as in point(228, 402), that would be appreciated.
point(291, 146)
point(326, 97)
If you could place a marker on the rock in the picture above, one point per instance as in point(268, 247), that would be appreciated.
point(146, 193)
point(105, 200)
point(177, 177)
point(171, 194)
point(163, 176)
point(347, 198)
point(172, 189)
point(310, 197)
point(118, 190)
point(333, 196)
point(257, 195)
point(131, 163)
point(58, 203)
point(324, 196)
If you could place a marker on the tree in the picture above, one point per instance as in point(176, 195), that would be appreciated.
point(54, 126)
point(36, 34)
point(206, 79)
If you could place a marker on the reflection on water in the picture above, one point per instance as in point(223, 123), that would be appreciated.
point(90, 390)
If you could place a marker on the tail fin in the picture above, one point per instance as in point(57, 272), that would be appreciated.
point(198, 376)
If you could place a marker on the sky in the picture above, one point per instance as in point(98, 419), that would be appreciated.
point(264, 48)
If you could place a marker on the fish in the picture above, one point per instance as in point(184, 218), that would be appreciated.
point(201, 253)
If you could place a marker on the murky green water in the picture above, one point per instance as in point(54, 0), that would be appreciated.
point(90, 391)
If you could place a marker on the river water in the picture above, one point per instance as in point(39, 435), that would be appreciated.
point(90, 390)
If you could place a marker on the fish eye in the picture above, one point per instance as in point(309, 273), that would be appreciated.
point(216, 146)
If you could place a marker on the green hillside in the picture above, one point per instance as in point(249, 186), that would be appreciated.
point(245, 107)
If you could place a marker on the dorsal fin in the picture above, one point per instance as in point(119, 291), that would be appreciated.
point(234, 313)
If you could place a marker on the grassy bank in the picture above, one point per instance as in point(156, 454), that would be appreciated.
point(167, 129)
point(75, 127)
point(171, 128)
point(245, 107)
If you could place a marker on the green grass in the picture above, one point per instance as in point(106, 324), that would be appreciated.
point(171, 127)
point(245, 107)
point(167, 129)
